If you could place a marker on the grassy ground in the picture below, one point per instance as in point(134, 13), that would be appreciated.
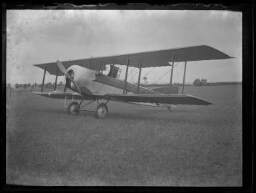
point(136, 145)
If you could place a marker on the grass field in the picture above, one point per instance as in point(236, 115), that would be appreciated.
point(134, 146)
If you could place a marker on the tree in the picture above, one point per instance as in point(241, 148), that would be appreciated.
point(17, 85)
point(48, 85)
point(8, 86)
point(197, 82)
point(25, 86)
point(35, 84)
point(60, 83)
point(203, 82)
point(29, 85)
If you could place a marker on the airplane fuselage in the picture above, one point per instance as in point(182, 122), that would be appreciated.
point(93, 82)
point(85, 78)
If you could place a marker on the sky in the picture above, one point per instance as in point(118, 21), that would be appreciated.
point(40, 36)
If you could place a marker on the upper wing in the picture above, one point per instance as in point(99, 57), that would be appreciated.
point(146, 59)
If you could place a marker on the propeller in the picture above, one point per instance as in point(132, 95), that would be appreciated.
point(65, 72)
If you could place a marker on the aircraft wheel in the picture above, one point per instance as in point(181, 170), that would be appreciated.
point(73, 108)
point(102, 111)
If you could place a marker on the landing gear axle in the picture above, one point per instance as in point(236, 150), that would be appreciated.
point(101, 111)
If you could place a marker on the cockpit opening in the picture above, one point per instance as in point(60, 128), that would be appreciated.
point(113, 71)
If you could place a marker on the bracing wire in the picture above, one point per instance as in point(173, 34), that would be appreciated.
point(129, 74)
point(175, 65)
point(132, 77)
point(149, 71)
point(162, 76)
point(175, 77)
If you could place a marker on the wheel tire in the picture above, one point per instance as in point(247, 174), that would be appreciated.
point(73, 108)
point(102, 111)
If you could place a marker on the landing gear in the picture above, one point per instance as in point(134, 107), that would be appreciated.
point(102, 111)
point(73, 108)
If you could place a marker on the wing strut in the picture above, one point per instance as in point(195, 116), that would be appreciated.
point(138, 88)
point(56, 79)
point(173, 58)
point(43, 79)
point(65, 87)
point(126, 74)
point(185, 67)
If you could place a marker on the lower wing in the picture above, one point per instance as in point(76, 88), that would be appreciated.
point(157, 99)
point(173, 99)
point(59, 95)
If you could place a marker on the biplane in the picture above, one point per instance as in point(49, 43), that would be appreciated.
point(90, 84)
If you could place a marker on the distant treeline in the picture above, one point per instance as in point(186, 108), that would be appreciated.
point(51, 85)
point(35, 85)
point(221, 83)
